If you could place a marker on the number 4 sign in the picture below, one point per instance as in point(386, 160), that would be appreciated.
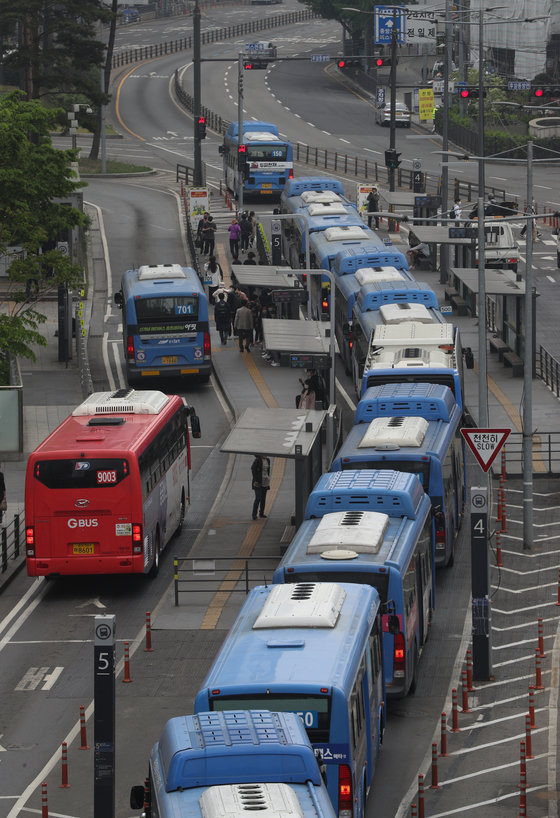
point(485, 444)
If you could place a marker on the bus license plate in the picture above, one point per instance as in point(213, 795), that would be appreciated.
point(83, 548)
point(169, 359)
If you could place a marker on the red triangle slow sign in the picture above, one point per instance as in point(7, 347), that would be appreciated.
point(485, 444)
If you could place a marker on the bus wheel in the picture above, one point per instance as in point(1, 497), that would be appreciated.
point(154, 570)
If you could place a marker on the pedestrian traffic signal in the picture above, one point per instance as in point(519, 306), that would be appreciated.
point(241, 157)
point(392, 160)
point(201, 127)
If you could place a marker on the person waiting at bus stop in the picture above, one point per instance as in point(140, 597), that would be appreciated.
point(260, 472)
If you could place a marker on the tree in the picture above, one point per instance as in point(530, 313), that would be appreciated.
point(57, 47)
point(94, 152)
point(36, 182)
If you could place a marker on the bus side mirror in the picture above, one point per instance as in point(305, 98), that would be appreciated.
point(137, 797)
point(195, 426)
point(221, 148)
point(119, 300)
point(346, 331)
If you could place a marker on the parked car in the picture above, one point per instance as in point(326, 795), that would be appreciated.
point(402, 114)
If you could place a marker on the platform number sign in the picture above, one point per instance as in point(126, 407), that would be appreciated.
point(104, 717)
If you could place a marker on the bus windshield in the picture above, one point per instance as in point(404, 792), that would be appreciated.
point(81, 474)
point(267, 153)
point(314, 711)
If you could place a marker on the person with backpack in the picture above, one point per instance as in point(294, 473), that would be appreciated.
point(222, 317)
point(246, 230)
point(213, 271)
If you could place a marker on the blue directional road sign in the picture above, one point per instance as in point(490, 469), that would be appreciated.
point(320, 58)
point(385, 18)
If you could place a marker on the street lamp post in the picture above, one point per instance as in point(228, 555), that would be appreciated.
point(393, 104)
point(197, 154)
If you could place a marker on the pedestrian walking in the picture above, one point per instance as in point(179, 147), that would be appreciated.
point(253, 236)
point(199, 240)
point(234, 236)
point(222, 317)
point(246, 229)
point(260, 472)
point(311, 391)
point(373, 207)
point(213, 271)
point(208, 236)
point(3, 501)
point(243, 323)
point(457, 209)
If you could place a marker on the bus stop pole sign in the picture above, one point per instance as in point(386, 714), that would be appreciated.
point(104, 718)
point(276, 241)
point(480, 586)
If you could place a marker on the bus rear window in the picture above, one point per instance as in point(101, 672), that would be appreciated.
point(421, 468)
point(166, 308)
point(103, 472)
point(367, 577)
point(314, 711)
point(267, 153)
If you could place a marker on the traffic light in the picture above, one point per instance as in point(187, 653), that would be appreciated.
point(538, 92)
point(247, 65)
point(392, 160)
point(470, 92)
point(381, 61)
point(201, 127)
point(241, 157)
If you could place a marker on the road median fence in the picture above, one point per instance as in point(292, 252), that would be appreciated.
point(213, 35)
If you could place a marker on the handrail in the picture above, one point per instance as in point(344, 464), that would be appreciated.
point(225, 574)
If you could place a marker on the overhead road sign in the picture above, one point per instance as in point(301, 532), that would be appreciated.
point(485, 444)
point(420, 26)
point(386, 17)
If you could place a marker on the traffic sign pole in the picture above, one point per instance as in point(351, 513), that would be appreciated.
point(480, 586)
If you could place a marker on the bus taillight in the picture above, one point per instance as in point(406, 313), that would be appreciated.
point(130, 349)
point(345, 805)
point(207, 348)
point(439, 524)
point(136, 538)
point(291, 173)
point(399, 657)
point(30, 541)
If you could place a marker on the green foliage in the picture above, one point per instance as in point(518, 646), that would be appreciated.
point(36, 182)
point(58, 51)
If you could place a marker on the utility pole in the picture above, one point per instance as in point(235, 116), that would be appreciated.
point(527, 426)
point(198, 180)
point(482, 352)
point(444, 250)
point(240, 170)
point(393, 87)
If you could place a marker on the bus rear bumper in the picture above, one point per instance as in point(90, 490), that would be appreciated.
point(202, 370)
point(74, 566)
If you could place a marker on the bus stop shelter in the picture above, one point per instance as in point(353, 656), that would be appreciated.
point(285, 288)
point(506, 311)
point(463, 249)
point(294, 434)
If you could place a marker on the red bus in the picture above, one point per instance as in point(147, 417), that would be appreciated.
point(107, 489)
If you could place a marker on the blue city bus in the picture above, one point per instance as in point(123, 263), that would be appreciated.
point(165, 323)
point(205, 761)
point(325, 246)
point(374, 527)
point(411, 352)
point(352, 258)
point(347, 288)
point(313, 649)
point(316, 218)
point(269, 159)
point(414, 428)
point(301, 185)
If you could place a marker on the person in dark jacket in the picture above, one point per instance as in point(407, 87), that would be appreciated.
point(222, 317)
point(246, 230)
point(373, 207)
point(243, 323)
point(260, 472)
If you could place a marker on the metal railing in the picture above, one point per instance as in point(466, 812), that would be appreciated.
point(227, 575)
point(546, 455)
point(12, 541)
point(548, 370)
point(213, 35)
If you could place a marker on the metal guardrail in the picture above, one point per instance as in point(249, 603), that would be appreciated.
point(548, 370)
point(225, 574)
point(546, 455)
point(12, 541)
point(214, 35)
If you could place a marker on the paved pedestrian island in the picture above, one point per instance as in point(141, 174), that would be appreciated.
point(481, 773)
